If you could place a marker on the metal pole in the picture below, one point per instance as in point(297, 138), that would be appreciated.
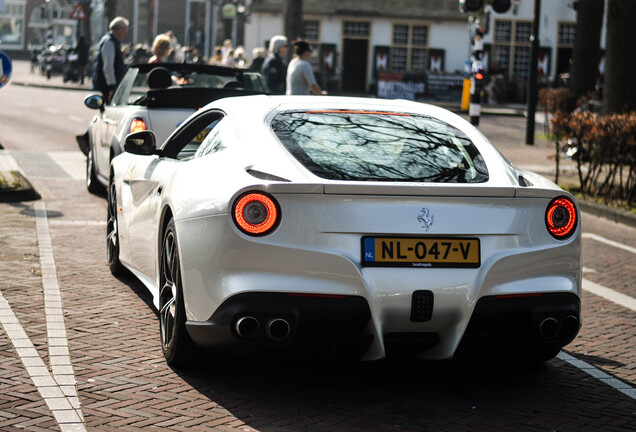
point(215, 13)
point(187, 24)
point(206, 43)
point(135, 23)
point(155, 24)
point(532, 77)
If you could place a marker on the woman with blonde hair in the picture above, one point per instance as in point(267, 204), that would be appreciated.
point(161, 49)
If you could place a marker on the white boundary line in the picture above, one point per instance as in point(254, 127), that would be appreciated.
point(609, 294)
point(59, 356)
point(51, 391)
point(73, 163)
point(616, 384)
point(618, 245)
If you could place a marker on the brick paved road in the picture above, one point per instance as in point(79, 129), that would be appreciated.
point(124, 383)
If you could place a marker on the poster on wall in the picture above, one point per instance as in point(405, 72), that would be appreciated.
point(543, 62)
point(421, 86)
point(327, 58)
point(380, 60)
point(436, 60)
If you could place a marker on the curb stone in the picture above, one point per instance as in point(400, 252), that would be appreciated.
point(621, 216)
point(19, 189)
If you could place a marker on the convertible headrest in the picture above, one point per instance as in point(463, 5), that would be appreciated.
point(159, 78)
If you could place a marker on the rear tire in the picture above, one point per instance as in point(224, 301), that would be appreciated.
point(92, 183)
point(112, 234)
point(176, 344)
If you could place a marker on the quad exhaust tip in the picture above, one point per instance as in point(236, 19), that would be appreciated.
point(278, 329)
point(550, 328)
point(247, 327)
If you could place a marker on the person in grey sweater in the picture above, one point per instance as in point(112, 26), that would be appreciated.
point(300, 76)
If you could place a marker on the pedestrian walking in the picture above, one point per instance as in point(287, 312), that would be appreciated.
point(274, 68)
point(161, 49)
point(108, 66)
point(82, 57)
point(258, 58)
point(300, 75)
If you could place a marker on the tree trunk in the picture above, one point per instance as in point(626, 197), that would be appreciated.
point(619, 94)
point(587, 47)
point(294, 25)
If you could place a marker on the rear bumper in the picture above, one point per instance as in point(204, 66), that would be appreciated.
point(524, 324)
point(339, 325)
point(317, 324)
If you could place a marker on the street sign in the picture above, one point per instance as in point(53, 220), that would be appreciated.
point(78, 12)
point(5, 69)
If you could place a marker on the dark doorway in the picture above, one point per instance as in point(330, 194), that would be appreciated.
point(354, 65)
point(564, 56)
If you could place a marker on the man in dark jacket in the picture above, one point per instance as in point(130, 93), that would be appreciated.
point(274, 68)
point(108, 66)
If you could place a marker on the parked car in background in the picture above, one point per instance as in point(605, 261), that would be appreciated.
point(156, 97)
point(350, 226)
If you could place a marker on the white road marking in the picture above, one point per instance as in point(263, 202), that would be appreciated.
point(617, 384)
point(76, 222)
point(23, 104)
point(51, 110)
point(57, 388)
point(618, 245)
point(7, 163)
point(609, 294)
point(72, 162)
point(59, 356)
point(76, 119)
point(588, 270)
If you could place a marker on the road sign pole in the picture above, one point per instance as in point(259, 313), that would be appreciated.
point(531, 98)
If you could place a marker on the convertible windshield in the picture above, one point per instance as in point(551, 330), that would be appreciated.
point(380, 146)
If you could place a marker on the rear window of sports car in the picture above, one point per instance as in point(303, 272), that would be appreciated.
point(380, 146)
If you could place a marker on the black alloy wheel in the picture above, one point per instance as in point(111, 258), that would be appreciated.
point(92, 183)
point(177, 346)
point(112, 233)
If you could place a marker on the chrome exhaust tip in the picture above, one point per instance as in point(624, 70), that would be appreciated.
point(569, 326)
point(549, 328)
point(247, 327)
point(278, 329)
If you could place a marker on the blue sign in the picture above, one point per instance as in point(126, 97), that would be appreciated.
point(5, 69)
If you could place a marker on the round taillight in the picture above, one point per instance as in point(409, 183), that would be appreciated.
point(255, 213)
point(561, 218)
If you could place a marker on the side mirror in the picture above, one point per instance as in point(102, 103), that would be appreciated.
point(94, 101)
point(141, 143)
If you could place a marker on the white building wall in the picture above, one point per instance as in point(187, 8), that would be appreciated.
point(453, 38)
point(261, 28)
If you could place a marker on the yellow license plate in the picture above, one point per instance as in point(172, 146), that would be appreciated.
point(201, 136)
point(420, 252)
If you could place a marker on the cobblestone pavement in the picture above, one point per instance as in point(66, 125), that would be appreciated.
point(123, 382)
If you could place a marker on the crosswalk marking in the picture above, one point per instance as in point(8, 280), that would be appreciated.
point(72, 162)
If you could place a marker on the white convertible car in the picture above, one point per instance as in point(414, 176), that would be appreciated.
point(356, 227)
point(157, 97)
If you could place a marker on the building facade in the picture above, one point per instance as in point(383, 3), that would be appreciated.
point(354, 40)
